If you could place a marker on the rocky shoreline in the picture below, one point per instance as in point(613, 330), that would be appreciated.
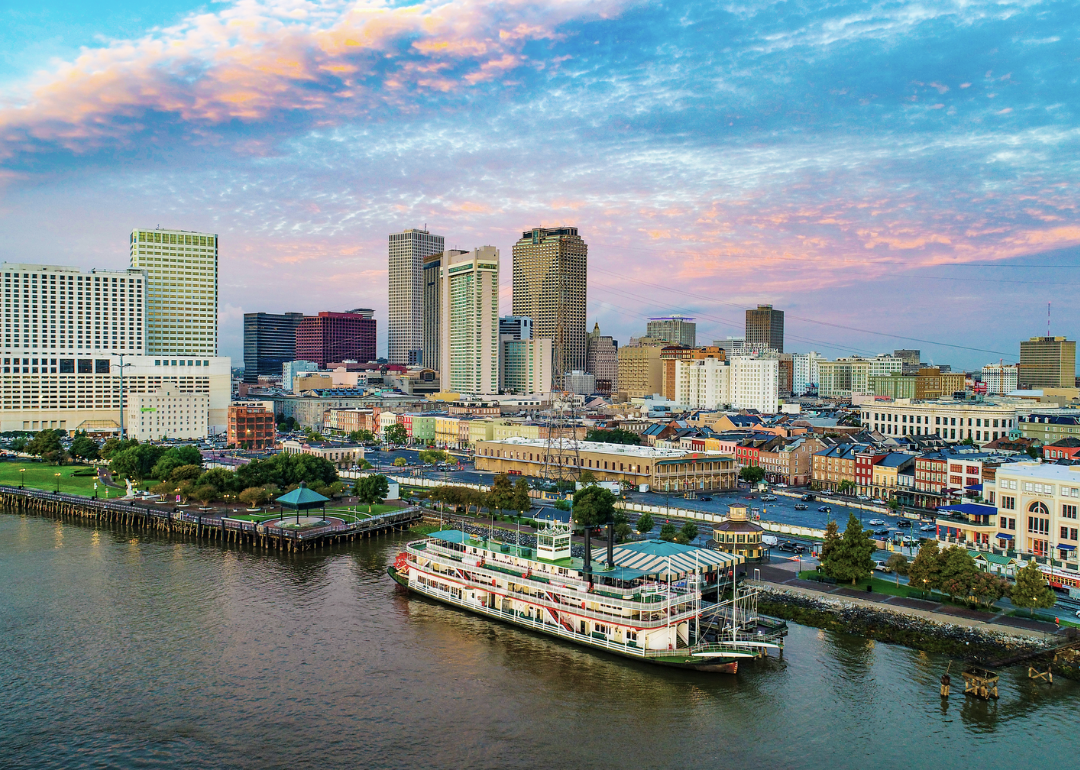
point(977, 645)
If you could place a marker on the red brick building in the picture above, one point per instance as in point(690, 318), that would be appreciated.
point(328, 337)
point(251, 426)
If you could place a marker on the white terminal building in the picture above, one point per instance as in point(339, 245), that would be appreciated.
point(65, 334)
point(167, 413)
point(982, 421)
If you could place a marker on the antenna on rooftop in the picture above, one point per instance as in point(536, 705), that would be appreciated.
point(1048, 319)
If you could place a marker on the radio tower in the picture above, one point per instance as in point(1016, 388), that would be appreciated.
point(562, 462)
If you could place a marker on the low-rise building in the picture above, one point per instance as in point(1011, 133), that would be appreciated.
point(886, 482)
point(1062, 449)
point(167, 413)
point(738, 534)
point(1049, 428)
point(672, 470)
point(343, 456)
point(1037, 511)
point(789, 461)
point(251, 426)
point(957, 421)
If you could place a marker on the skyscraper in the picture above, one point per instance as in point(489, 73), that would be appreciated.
point(335, 337)
point(515, 327)
point(602, 360)
point(405, 324)
point(765, 328)
point(1048, 362)
point(432, 306)
point(269, 341)
point(675, 329)
point(469, 327)
point(182, 282)
point(550, 273)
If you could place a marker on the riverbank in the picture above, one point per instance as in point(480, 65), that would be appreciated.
point(973, 643)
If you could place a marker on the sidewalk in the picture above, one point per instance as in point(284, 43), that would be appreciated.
point(784, 576)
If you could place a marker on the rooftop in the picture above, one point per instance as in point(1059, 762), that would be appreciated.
point(626, 450)
point(1043, 471)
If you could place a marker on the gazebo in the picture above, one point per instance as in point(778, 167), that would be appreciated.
point(302, 499)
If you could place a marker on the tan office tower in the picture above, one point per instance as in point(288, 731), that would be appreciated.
point(1048, 362)
point(405, 323)
point(182, 297)
point(765, 328)
point(550, 273)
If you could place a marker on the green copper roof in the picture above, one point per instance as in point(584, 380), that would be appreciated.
point(302, 498)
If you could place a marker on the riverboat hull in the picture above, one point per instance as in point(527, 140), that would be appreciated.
point(715, 664)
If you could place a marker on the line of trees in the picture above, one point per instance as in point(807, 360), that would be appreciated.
point(954, 572)
point(613, 436)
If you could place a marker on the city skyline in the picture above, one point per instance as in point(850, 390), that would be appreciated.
point(845, 196)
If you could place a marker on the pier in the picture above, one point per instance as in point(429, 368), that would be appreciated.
point(173, 521)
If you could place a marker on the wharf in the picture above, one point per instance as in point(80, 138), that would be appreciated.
point(204, 527)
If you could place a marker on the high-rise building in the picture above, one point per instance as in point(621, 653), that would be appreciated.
point(433, 307)
point(1048, 362)
point(641, 371)
point(550, 273)
point(515, 327)
point(669, 354)
point(602, 360)
point(847, 376)
point(675, 329)
point(909, 357)
point(525, 366)
point(765, 328)
point(469, 326)
point(182, 293)
point(743, 382)
point(328, 337)
point(804, 374)
point(579, 382)
point(269, 341)
point(405, 323)
point(1000, 379)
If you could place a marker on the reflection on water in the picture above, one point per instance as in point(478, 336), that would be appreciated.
point(130, 650)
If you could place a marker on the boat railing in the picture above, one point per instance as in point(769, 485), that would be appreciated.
point(574, 594)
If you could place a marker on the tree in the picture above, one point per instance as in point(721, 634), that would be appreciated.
point(851, 558)
point(113, 445)
point(752, 475)
point(396, 434)
point(205, 493)
point(372, 490)
point(562, 505)
point(623, 531)
point(587, 477)
point(894, 504)
point(521, 502)
point(924, 573)
point(254, 496)
point(690, 530)
point(362, 436)
point(828, 546)
point(46, 445)
point(668, 532)
point(645, 523)
point(1031, 589)
point(987, 589)
point(958, 572)
point(399, 462)
point(225, 480)
point(84, 447)
point(184, 473)
point(501, 494)
point(969, 441)
point(614, 436)
point(175, 458)
point(595, 507)
point(898, 565)
point(846, 487)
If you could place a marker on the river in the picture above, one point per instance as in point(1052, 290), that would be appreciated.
point(126, 650)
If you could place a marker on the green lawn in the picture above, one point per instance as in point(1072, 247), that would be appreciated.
point(880, 585)
point(361, 510)
point(43, 476)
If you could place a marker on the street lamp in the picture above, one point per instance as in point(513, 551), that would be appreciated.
point(22, 478)
point(57, 475)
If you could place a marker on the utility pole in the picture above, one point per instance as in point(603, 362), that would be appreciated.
point(121, 367)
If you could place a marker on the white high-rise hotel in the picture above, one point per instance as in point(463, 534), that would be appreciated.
point(182, 307)
point(405, 324)
point(66, 330)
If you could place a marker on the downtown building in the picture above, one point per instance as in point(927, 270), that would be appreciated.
point(765, 329)
point(1000, 379)
point(182, 297)
point(549, 286)
point(676, 330)
point(743, 382)
point(269, 342)
point(333, 337)
point(405, 322)
point(1048, 362)
point(602, 361)
point(469, 322)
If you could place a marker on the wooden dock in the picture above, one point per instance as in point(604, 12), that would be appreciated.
point(173, 521)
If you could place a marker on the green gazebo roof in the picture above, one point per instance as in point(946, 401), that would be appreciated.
point(302, 498)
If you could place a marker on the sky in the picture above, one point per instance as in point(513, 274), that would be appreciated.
point(891, 174)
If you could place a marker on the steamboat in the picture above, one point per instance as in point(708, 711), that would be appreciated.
point(646, 602)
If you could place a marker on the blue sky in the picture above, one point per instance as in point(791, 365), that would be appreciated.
point(891, 174)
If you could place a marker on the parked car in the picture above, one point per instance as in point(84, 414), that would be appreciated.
point(904, 523)
point(927, 528)
point(807, 498)
point(878, 501)
point(824, 509)
point(800, 549)
point(880, 567)
point(882, 533)
point(705, 499)
point(876, 522)
point(768, 498)
point(780, 486)
point(865, 498)
point(801, 506)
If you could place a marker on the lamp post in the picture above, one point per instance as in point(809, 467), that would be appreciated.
point(122, 366)
point(22, 478)
point(57, 475)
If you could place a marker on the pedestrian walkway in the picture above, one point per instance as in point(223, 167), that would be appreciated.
point(784, 576)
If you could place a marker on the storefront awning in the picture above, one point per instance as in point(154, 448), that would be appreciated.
point(1063, 547)
point(1003, 536)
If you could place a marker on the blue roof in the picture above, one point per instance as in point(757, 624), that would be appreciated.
point(895, 460)
point(450, 535)
point(972, 509)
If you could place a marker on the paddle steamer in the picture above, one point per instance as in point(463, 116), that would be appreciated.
point(645, 603)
